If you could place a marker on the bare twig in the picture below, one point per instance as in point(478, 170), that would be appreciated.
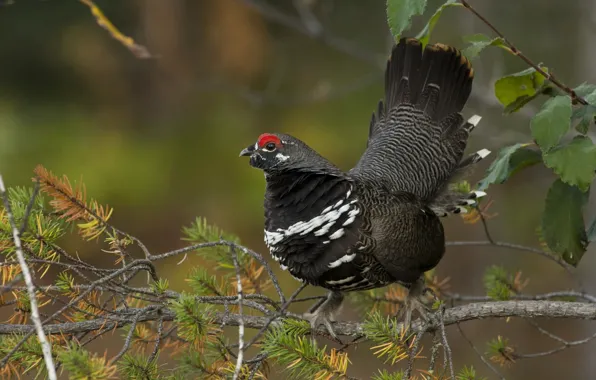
point(339, 44)
point(138, 50)
point(434, 352)
point(484, 360)
point(128, 340)
point(502, 244)
point(446, 347)
point(45, 344)
point(413, 352)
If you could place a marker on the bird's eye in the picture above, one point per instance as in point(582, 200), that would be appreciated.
point(270, 147)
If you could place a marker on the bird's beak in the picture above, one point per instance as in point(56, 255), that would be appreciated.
point(247, 151)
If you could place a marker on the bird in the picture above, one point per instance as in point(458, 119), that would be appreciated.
point(378, 223)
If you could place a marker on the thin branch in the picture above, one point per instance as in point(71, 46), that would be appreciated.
point(502, 244)
point(447, 349)
point(434, 352)
point(128, 340)
point(102, 280)
point(413, 352)
point(548, 75)
point(45, 344)
point(339, 44)
point(157, 340)
point(230, 244)
point(240, 357)
point(564, 344)
point(484, 360)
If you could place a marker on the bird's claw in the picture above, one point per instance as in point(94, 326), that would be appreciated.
point(323, 313)
point(416, 300)
point(321, 318)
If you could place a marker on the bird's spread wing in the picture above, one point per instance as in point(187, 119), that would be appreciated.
point(417, 136)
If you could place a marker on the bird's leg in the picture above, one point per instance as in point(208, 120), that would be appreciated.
point(323, 313)
point(416, 300)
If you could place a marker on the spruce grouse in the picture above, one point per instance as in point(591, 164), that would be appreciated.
point(378, 223)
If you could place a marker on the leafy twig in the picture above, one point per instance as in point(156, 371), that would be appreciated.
point(548, 75)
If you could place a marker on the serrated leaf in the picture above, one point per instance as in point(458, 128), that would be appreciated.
point(400, 13)
point(509, 161)
point(515, 90)
point(479, 42)
point(552, 122)
point(574, 162)
point(424, 35)
point(562, 222)
point(586, 116)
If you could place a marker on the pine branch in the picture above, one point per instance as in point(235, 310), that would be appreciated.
point(454, 315)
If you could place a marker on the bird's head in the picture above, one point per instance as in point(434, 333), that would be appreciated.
point(276, 152)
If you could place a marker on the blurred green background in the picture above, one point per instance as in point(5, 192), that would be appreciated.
point(158, 139)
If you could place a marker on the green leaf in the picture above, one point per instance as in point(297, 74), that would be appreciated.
point(400, 13)
point(424, 35)
point(516, 90)
point(552, 122)
point(479, 42)
point(585, 114)
point(509, 161)
point(574, 162)
point(585, 89)
point(562, 221)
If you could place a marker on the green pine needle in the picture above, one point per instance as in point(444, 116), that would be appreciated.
point(205, 284)
point(385, 375)
point(392, 340)
point(292, 349)
point(202, 232)
point(468, 373)
point(193, 318)
point(81, 364)
point(498, 283)
point(138, 367)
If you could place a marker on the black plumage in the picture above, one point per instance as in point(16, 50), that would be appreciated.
point(378, 223)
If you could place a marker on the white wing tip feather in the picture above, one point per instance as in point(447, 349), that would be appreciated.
point(478, 194)
point(483, 153)
point(474, 120)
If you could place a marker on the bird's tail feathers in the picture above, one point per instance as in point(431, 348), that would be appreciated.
point(436, 79)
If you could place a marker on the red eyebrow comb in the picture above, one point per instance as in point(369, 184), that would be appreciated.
point(266, 138)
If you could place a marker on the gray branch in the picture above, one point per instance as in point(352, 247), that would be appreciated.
point(458, 314)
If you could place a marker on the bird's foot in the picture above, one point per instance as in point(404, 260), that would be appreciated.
point(418, 300)
point(324, 313)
